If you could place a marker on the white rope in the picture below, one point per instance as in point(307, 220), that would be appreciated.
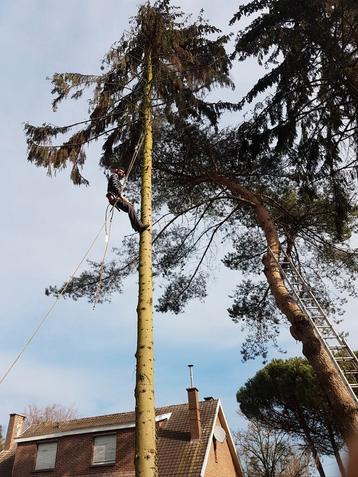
point(134, 157)
point(42, 321)
point(101, 270)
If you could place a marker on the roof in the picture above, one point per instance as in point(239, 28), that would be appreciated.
point(83, 425)
point(7, 459)
point(177, 455)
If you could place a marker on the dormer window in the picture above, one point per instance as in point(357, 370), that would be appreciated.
point(104, 450)
point(46, 456)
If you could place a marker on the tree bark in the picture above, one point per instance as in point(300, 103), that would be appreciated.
point(301, 328)
point(336, 450)
point(308, 439)
point(145, 432)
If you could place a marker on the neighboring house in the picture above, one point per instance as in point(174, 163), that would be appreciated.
point(193, 439)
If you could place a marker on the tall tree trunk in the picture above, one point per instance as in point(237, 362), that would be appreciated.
point(308, 438)
point(335, 450)
point(301, 328)
point(145, 432)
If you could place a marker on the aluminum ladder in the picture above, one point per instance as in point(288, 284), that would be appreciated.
point(342, 355)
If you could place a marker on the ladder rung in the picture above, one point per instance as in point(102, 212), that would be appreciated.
point(305, 297)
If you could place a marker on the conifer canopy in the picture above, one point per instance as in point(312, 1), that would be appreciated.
point(189, 59)
point(310, 49)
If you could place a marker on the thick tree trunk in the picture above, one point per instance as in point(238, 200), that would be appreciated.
point(145, 433)
point(301, 328)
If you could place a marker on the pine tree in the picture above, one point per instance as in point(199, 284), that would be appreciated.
point(310, 51)
point(286, 396)
point(231, 188)
point(247, 194)
point(160, 70)
point(309, 117)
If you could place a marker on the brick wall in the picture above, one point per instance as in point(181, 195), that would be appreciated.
point(74, 458)
point(220, 463)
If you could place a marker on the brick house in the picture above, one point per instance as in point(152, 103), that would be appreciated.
point(193, 441)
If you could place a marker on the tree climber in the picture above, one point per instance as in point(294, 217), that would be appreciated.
point(115, 197)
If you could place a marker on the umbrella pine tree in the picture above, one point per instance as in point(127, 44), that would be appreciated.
point(285, 395)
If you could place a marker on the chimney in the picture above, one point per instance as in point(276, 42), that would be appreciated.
point(194, 409)
point(14, 429)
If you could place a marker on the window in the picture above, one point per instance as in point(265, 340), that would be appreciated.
point(46, 456)
point(104, 450)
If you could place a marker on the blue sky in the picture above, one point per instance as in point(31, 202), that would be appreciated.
point(83, 357)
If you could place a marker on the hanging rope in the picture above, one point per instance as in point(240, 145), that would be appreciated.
point(101, 269)
point(42, 321)
point(134, 157)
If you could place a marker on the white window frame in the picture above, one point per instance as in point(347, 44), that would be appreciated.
point(50, 447)
point(101, 442)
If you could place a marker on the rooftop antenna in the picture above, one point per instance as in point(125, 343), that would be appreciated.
point(190, 366)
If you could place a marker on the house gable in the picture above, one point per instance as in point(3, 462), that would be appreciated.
point(221, 459)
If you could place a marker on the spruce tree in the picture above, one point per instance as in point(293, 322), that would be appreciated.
point(158, 73)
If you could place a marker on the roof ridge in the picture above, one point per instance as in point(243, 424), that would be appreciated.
point(157, 409)
point(123, 418)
